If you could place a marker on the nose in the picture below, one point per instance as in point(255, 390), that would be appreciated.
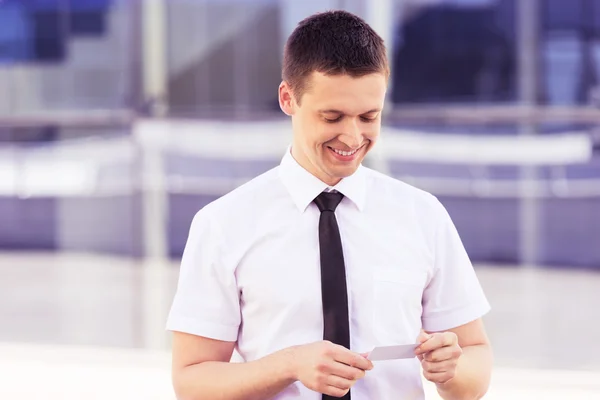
point(352, 136)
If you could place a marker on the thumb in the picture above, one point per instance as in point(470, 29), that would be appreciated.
point(423, 336)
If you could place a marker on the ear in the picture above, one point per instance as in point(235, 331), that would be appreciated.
point(286, 98)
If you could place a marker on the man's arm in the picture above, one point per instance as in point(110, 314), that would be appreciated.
point(201, 370)
point(459, 361)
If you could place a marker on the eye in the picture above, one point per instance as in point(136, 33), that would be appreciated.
point(368, 120)
point(333, 121)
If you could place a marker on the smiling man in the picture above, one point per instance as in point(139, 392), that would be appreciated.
point(305, 269)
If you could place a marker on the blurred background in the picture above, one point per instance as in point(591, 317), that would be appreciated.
point(120, 119)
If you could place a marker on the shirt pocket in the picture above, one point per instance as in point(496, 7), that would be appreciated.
point(397, 301)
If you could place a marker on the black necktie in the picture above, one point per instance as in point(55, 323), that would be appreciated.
point(333, 275)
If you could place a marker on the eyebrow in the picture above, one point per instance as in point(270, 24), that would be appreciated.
point(331, 111)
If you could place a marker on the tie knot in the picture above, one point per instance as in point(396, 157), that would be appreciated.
point(328, 201)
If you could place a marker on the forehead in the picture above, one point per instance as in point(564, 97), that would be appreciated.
point(345, 93)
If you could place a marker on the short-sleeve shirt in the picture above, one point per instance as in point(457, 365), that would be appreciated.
point(250, 272)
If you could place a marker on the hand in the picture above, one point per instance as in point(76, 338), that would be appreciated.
point(329, 368)
point(439, 353)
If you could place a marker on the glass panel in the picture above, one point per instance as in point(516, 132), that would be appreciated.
point(232, 65)
point(65, 55)
point(568, 50)
point(455, 52)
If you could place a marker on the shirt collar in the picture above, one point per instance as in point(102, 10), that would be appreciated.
point(304, 187)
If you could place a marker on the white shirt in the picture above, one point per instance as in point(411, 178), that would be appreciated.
point(250, 272)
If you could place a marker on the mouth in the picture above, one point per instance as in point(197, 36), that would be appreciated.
point(345, 155)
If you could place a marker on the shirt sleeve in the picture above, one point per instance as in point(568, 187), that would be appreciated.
point(453, 296)
point(206, 301)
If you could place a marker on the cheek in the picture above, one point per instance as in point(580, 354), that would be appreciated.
point(372, 135)
point(325, 134)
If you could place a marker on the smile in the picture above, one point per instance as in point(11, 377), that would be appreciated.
point(345, 153)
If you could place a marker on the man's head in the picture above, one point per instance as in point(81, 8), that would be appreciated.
point(335, 73)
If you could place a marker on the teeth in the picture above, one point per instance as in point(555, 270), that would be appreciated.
point(345, 153)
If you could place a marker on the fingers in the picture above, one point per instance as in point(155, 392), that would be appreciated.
point(329, 368)
point(423, 336)
point(443, 354)
point(439, 357)
point(441, 366)
point(346, 372)
point(342, 379)
point(339, 382)
point(345, 356)
point(341, 376)
point(437, 341)
point(335, 392)
point(439, 377)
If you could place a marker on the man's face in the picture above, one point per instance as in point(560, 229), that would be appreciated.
point(337, 123)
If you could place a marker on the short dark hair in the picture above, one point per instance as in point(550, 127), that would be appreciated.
point(333, 43)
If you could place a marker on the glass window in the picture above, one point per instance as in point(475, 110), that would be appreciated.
point(455, 51)
point(66, 55)
point(15, 32)
point(569, 51)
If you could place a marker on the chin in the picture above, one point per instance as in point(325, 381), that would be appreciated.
point(343, 173)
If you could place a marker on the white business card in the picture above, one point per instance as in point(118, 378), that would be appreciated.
point(396, 352)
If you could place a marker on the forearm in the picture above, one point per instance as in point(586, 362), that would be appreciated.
point(473, 374)
point(260, 379)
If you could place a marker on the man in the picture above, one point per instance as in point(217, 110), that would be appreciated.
point(308, 267)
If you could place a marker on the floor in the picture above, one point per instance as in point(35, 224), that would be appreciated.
point(95, 316)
